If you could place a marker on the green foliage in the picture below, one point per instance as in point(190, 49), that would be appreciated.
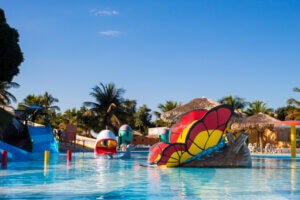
point(45, 101)
point(30, 100)
point(6, 97)
point(128, 109)
point(283, 113)
point(237, 103)
point(169, 105)
point(257, 107)
point(107, 105)
point(143, 119)
point(10, 53)
point(294, 113)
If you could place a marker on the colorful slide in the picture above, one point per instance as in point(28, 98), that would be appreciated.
point(42, 139)
point(195, 133)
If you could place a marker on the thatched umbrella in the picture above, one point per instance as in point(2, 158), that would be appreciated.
point(259, 122)
point(199, 103)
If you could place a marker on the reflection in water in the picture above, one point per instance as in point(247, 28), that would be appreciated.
point(90, 178)
point(293, 175)
point(180, 182)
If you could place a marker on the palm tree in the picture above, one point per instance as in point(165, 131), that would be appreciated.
point(107, 105)
point(30, 100)
point(236, 102)
point(47, 102)
point(257, 107)
point(70, 116)
point(169, 105)
point(128, 110)
point(294, 113)
point(143, 119)
point(6, 97)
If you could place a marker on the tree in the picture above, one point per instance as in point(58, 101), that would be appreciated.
point(6, 97)
point(47, 101)
point(70, 116)
point(236, 102)
point(284, 113)
point(295, 113)
point(169, 105)
point(10, 53)
point(128, 110)
point(143, 119)
point(30, 100)
point(84, 120)
point(107, 105)
point(257, 107)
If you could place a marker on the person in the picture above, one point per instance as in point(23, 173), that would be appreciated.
point(59, 134)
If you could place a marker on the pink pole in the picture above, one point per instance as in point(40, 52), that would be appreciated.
point(69, 155)
point(4, 159)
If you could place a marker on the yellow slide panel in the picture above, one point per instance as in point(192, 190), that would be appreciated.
point(214, 138)
point(182, 137)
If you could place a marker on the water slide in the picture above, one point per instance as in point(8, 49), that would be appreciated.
point(14, 153)
point(42, 139)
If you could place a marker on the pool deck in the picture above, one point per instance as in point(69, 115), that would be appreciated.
point(85, 144)
point(80, 144)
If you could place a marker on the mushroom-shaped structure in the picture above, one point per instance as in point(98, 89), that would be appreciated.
point(106, 143)
point(125, 135)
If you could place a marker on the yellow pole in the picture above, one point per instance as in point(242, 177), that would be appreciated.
point(46, 157)
point(293, 141)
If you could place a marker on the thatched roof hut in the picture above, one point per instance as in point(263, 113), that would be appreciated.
point(259, 123)
point(199, 103)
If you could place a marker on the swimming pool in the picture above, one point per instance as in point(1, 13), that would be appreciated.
point(86, 177)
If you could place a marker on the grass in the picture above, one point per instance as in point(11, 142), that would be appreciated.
point(5, 117)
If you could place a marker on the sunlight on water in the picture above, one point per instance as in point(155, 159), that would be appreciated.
point(100, 178)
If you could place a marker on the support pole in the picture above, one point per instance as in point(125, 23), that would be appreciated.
point(4, 159)
point(46, 157)
point(69, 155)
point(293, 141)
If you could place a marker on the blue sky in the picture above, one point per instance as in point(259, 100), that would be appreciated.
point(158, 50)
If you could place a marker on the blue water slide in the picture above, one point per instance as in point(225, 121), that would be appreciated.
point(43, 139)
point(14, 153)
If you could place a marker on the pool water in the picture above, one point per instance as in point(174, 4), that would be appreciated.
point(86, 177)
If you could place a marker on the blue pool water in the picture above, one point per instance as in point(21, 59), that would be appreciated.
point(86, 177)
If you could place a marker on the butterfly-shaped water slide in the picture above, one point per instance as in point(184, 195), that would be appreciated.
point(195, 132)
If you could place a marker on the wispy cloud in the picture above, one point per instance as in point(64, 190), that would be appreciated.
point(110, 33)
point(105, 12)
